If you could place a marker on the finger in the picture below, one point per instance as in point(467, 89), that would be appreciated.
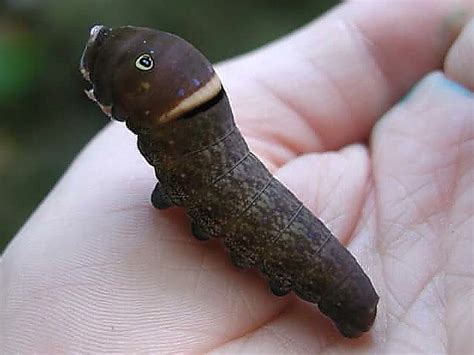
point(423, 175)
point(332, 185)
point(325, 86)
point(459, 64)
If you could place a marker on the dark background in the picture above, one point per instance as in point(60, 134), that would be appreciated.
point(45, 118)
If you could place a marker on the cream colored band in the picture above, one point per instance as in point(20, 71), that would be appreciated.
point(204, 94)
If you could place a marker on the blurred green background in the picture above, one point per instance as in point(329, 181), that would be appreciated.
point(45, 118)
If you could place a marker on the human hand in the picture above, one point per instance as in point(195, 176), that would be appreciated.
point(98, 269)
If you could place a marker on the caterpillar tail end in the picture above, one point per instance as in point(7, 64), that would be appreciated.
point(349, 329)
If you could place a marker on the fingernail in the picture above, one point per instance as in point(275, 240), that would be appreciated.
point(453, 86)
point(437, 79)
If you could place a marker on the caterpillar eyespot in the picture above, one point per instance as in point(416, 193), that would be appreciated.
point(144, 62)
point(186, 131)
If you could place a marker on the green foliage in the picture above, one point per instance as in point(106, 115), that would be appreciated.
point(19, 57)
point(45, 118)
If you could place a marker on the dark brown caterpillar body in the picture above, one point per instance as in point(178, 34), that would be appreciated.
point(169, 95)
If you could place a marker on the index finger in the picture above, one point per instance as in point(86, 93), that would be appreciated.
point(324, 86)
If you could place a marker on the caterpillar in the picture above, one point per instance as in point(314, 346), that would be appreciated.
point(169, 95)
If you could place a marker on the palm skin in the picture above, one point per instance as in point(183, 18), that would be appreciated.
point(97, 269)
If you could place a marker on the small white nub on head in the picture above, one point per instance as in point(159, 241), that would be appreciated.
point(204, 94)
point(94, 32)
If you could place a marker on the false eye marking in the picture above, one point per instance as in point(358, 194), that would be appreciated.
point(144, 62)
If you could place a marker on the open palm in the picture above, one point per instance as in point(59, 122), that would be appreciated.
point(97, 269)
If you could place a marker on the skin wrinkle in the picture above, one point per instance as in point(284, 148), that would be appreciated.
point(458, 158)
point(379, 246)
point(69, 326)
point(331, 189)
point(456, 180)
point(440, 43)
point(367, 207)
point(342, 98)
point(344, 235)
point(393, 293)
point(407, 346)
point(366, 45)
point(286, 342)
point(200, 272)
point(282, 139)
point(335, 346)
point(247, 337)
point(459, 238)
point(349, 233)
point(438, 183)
point(414, 326)
point(346, 110)
point(461, 274)
point(397, 239)
point(383, 241)
point(362, 39)
point(414, 199)
point(382, 284)
point(424, 285)
point(345, 156)
point(22, 305)
point(309, 201)
point(423, 141)
point(370, 46)
point(246, 333)
point(410, 196)
point(428, 279)
point(421, 238)
point(327, 343)
point(393, 314)
point(456, 67)
point(408, 135)
point(272, 159)
point(443, 318)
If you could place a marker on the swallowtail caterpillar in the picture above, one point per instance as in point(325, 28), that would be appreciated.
point(168, 94)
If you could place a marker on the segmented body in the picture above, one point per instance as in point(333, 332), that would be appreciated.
point(229, 194)
point(169, 95)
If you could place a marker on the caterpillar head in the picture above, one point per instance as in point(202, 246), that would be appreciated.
point(148, 76)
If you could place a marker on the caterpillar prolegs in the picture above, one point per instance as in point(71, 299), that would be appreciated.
point(168, 94)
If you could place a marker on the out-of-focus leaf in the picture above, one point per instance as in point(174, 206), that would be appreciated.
point(20, 59)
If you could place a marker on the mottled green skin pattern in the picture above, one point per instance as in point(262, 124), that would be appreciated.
point(204, 166)
point(229, 194)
